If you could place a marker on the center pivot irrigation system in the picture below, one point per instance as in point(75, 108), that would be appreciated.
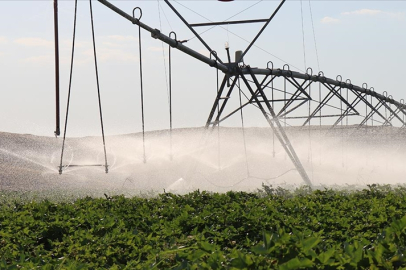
point(284, 97)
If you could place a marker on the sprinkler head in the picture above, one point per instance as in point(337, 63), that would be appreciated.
point(60, 170)
point(106, 168)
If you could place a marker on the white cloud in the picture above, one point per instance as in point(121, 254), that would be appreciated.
point(363, 12)
point(108, 54)
point(67, 44)
point(329, 20)
point(122, 38)
point(119, 41)
point(3, 40)
point(111, 44)
point(157, 49)
point(34, 42)
point(40, 60)
point(374, 12)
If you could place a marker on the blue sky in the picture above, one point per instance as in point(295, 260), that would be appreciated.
point(361, 40)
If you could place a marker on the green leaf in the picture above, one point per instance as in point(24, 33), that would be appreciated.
point(296, 263)
point(206, 246)
point(310, 243)
point(325, 256)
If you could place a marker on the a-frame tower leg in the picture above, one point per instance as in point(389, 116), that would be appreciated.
point(268, 112)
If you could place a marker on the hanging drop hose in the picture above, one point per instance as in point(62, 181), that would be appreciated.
point(170, 98)
point(273, 133)
point(98, 88)
point(218, 124)
point(170, 101)
point(243, 129)
point(70, 85)
point(142, 88)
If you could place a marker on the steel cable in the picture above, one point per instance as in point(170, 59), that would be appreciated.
point(303, 35)
point(314, 35)
point(256, 46)
point(70, 86)
point(168, 88)
point(98, 87)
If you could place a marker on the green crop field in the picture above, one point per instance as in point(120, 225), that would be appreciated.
point(269, 229)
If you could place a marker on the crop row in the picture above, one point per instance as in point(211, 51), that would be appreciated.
point(270, 229)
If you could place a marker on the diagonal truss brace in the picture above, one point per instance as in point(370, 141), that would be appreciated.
point(259, 97)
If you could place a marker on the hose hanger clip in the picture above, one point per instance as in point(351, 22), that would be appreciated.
point(339, 79)
point(348, 81)
point(267, 66)
point(321, 75)
point(309, 74)
point(287, 69)
point(214, 53)
point(139, 18)
point(390, 97)
point(402, 101)
point(176, 40)
point(372, 91)
point(365, 85)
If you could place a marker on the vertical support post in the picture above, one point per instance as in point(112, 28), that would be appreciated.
point(57, 131)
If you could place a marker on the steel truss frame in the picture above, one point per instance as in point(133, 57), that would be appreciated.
point(331, 103)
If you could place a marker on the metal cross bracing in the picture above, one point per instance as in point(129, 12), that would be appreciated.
point(285, 97)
